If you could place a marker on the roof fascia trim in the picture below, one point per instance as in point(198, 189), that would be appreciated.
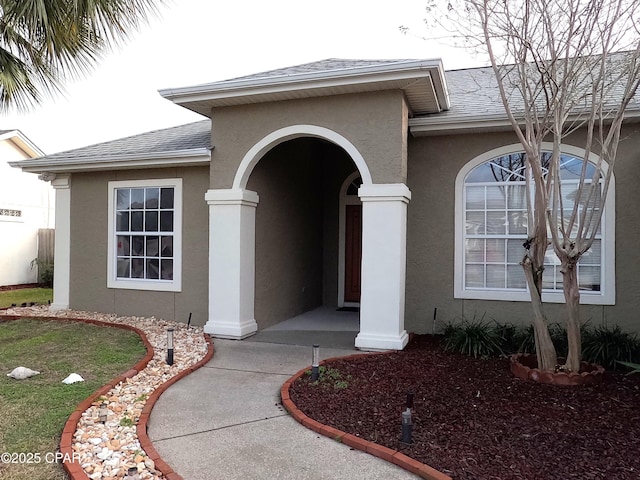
point(330, 79)
point(176, 158)
point(435, 124)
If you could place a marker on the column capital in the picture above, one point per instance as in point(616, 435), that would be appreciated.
point(232, 196)
point(61, 181)
point(385, 192)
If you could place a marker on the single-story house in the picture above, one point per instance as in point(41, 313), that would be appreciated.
point(378, 184)
point(26, 206)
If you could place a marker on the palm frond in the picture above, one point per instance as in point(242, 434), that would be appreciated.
point(45, 43)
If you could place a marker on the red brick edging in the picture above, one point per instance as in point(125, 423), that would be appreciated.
point(385, 453)
point(74, 469)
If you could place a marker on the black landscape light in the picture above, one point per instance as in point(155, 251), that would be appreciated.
point(315, 363)
point(170, 346)
point(103, 412)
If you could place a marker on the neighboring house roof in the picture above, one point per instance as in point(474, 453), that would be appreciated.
point(421, 80)
point(22, 142)
point(184, 145)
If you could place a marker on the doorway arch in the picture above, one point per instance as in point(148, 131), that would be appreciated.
point(255, 153)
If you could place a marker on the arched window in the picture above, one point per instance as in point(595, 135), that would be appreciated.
point(491, 227)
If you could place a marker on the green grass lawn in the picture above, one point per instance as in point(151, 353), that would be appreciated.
point(33, 411)
point(22, 295)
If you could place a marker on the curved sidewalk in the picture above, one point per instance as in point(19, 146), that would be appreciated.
point(225, 421)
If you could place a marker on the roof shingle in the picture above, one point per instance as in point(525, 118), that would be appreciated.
point(183, 137)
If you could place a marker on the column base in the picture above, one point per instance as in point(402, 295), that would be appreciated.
point(231, 330)
point(374, 343)
point(56, 307)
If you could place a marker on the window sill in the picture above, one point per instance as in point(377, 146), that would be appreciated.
point(146, 285)
point(586, 298)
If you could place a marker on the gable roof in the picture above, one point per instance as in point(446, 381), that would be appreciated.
point(184, 145)
point(421, 80)
point(21, 141)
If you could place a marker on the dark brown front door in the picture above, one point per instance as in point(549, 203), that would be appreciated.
point(353, 253)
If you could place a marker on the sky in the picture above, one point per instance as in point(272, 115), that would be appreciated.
point(201, 41)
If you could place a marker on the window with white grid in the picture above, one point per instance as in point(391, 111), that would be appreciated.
point(145, 234)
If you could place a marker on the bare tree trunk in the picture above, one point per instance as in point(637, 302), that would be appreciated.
point(572, 300)
point(545, 350)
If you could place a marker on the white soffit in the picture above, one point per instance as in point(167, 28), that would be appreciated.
point(422, 82)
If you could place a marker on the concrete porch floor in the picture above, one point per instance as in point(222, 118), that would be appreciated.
point(325, 326)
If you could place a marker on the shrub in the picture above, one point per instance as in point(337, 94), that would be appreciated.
point(477, 338)
point(45, 272)
point(607, 346)
point(508, 336)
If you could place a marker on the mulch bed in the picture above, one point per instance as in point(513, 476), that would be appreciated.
point(5, 288)
point(473, 420)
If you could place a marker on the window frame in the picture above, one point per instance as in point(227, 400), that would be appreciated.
point(113, 281)
point(606, 295)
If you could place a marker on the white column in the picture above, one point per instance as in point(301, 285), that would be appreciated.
point(384, 253)
point(62, 251)
point(232, 219)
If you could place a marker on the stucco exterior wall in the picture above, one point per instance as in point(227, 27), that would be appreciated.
point(433, 165)
point(35, 201)
point(88, 278)
point(297, 228)
point(372, 122)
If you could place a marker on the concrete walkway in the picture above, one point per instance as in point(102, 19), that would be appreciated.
point(224, 421)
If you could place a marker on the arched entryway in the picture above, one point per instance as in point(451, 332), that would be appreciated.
point(274, 238)
point(297, 228)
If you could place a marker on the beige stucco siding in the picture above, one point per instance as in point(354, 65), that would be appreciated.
point(88, 279)
point(627, 171)
point(372, 122)
point(433, 165)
